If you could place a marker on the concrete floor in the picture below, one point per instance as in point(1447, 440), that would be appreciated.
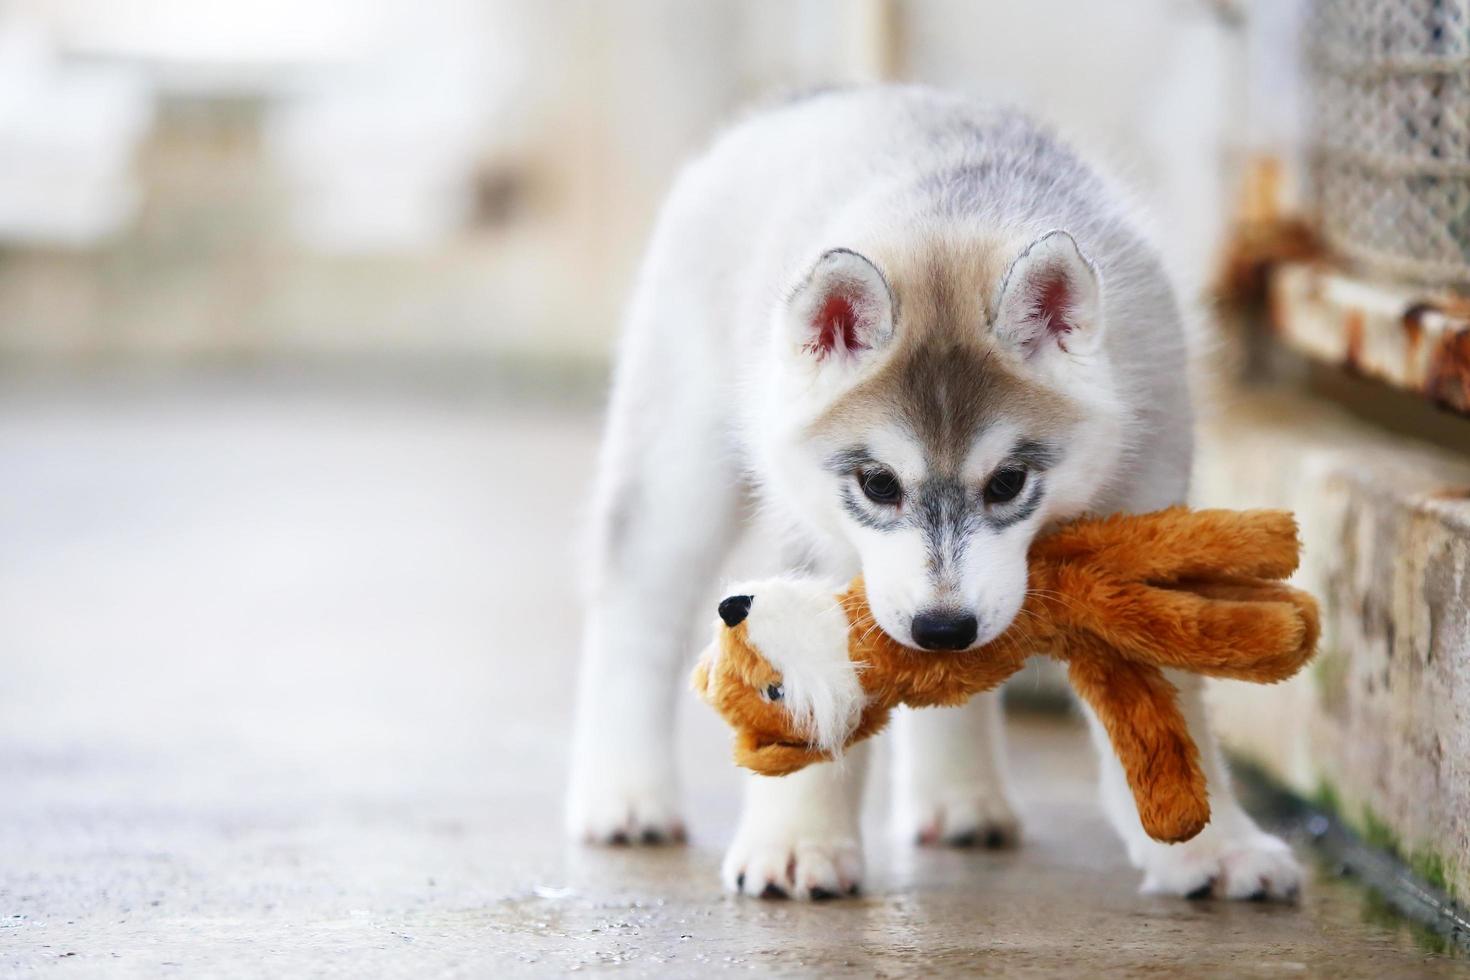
point(285, 691)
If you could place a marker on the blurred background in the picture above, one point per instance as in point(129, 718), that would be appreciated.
point(472, 180)
point(306, 312)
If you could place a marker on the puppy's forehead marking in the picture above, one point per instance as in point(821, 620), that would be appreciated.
point(940, 399)
point(944, 384)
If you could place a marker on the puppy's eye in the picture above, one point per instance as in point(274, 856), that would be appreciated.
point(1004, 485)
point(880, 486)
point(775, 692)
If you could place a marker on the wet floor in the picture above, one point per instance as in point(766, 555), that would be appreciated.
point(286, 678)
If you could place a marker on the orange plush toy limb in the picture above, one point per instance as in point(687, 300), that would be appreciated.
point(800, 674)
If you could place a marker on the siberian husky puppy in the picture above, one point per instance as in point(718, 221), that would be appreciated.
point(918, 330)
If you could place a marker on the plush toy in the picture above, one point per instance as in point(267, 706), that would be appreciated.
point(800, 673)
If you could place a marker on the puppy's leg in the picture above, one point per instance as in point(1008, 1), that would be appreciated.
point(951, 777)
point(1231, 857)
point(668, 497)
point(799, 835)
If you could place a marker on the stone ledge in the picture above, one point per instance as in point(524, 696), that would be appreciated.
point(1405, 337)
point(1379, 727)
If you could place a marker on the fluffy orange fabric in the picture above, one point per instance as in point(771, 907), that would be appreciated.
point(1116, 599)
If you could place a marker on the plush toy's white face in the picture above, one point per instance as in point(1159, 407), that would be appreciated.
point(784, 642)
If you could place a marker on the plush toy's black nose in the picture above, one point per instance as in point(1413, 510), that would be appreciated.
point(944, 630)
point(734, 609)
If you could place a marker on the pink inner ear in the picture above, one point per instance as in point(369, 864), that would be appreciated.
point(836, 323)
point(1052, 306)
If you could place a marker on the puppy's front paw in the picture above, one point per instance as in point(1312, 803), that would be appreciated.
point(774, 865)
point(968, 820)
point(612, 804)
point(1254, 866)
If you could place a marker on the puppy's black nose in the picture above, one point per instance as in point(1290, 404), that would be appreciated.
point(734, 609)
point(941, 630)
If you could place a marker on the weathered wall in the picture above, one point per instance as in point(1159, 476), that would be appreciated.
point(1379, 727)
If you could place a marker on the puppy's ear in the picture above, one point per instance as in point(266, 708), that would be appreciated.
point(840, 313)
point(1050, 300)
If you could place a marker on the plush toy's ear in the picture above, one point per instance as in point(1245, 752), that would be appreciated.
point(733, 609)
point(840, 312)
point(1050, 299)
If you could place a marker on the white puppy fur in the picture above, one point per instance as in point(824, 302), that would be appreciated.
point(919, 330)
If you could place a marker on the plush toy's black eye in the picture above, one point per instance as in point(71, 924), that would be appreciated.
point(880, 486)
point(775, 692)
point(1005, 485)
point(734, 609)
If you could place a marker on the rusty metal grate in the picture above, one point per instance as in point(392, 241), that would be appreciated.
point(1390, 131)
